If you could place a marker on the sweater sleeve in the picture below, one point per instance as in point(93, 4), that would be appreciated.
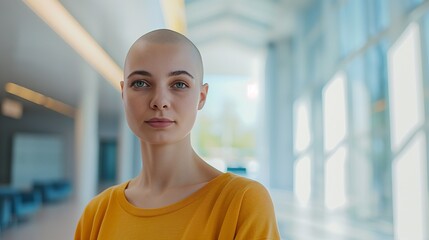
point(92, 217)
point(257, 219)
point(83, 228)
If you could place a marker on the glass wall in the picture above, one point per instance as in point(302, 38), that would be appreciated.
point(303, 139)
point(225, 131)
point(360, 117)
point(407, 135)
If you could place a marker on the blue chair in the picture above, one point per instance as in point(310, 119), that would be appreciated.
point(26, 204)
point(5, 212)
point(22, 203)
point(8, 194)
point(53, 191)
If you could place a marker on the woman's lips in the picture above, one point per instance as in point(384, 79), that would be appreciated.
point(159, 122)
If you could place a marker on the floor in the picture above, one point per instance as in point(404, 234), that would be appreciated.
point(55, 221)
point(58, 221)
point(297, 223)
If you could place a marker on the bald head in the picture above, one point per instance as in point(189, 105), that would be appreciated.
point(168, 37)
point(165, 36)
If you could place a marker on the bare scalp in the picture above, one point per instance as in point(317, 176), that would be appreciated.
point(166, 36)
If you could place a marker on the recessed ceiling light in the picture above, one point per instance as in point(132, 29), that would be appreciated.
point(40, 99)
point(11, 108)
point(174, 15)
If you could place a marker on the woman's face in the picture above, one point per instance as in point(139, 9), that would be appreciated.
point(162, 91)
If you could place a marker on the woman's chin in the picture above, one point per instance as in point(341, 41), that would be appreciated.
point(161, 140)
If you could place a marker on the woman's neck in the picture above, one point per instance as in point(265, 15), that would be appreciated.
point(171, 165)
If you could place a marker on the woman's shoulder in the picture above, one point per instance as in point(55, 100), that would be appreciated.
point(244, 186)
point(237, 181)
point(96, 209)
point(248, 198)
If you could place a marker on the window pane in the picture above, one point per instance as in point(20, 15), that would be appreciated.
point(335, 179)
point(425, 33)
point(302, 125)
point(409, 191)
point(376, 72)
point(353, 32)
point(312, 15)
point(334, 111)
point(379, 18)
point(224, 132)
point(360, 97)
point(405, 86)
point(411, 4)
point(302, 181)
point(315, 61)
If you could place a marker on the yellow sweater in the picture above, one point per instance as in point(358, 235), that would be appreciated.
point(228, 207)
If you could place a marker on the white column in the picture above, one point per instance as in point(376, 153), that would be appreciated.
point(278, 90)
point(318, 155)
point(126, 146)
point(86, 130)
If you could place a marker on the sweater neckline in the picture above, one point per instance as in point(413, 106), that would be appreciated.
point(128, 207)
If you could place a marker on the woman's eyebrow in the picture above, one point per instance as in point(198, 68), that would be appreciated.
point(180, 72)
point(140, 72)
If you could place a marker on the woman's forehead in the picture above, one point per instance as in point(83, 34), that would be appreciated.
point(148, 54)
point(172, 56)
point(150, 48)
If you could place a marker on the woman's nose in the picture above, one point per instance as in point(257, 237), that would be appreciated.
point(160, 100)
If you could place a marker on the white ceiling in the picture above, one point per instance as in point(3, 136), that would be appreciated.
point(233, 34)
point(229, 34)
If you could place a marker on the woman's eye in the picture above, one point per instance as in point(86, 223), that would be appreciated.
point(180, 85)
point(139, 84)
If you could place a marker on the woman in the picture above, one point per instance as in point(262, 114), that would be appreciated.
point(177, 195)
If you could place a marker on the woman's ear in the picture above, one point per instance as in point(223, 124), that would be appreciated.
point(203, 95)
point(122, 89)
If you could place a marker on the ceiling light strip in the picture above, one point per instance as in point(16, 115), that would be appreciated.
point(65, 25)
point(174, 15)
point(40, 99)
